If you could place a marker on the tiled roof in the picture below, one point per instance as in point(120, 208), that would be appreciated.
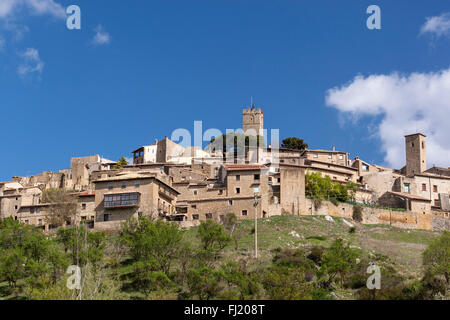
point(243, 167)
point(409, 196)
point(86, 193)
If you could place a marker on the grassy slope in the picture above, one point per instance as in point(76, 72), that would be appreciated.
point(402, 247)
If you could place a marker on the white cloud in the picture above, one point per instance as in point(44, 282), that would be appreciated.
point(403, 104)
point(437, 26)
point(37, 7)
point(101, 37)
point(32, 62)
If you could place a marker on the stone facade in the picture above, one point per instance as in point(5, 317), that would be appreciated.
point(416, 156)
point(253, 121)
point(120, 197)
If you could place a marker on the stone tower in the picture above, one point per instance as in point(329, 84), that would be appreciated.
point(416, 155)
point(253, 119)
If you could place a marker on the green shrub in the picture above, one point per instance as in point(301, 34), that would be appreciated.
point(316, 254)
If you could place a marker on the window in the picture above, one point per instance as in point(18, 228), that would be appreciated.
point(220, 192)
point(40, 222)
point(244, 212)
point(435, 188)
point(238, 190)
point(110, 186)
point(124, 185)
point(222, 218)
point(436, 203)
point(31, 210)
point(423, 145)
point(195, 192)
point(195, 217)
point(341, 157)
point(278, 180)
point(230, 202)
point(38, 210)
point(194, 206)
point(137, 184)
point(330, 156)
point(106, 217)
point(316, 155)
point(424, 187)
point(406, 188)
point(83, 206)
point(208, 216)
point(123, 199)
point(256, 177)
point(412, 144)
point(15, 207)
point(26, 221)
point(365, 167)
point(238, 178)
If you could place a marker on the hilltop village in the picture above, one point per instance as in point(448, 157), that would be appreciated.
point(188, 185)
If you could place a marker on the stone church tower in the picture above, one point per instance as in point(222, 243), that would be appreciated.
point(416, 154)
point(253, 119)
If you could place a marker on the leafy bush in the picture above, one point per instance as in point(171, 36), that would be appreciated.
point(283, 283)
point(316, 254)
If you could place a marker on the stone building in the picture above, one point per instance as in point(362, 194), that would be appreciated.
point(132, 194)
point(292, 189)
point(14, 196)
point(82, 168)
point(328, 156)
point(232, 192)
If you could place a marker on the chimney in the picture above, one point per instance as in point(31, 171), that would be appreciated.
point(156, 141)
point(334, 148)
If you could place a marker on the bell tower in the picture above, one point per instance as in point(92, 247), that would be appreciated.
point(253, 120)
point(416, 155)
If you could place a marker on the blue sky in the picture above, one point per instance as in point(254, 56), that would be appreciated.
point(163, 64)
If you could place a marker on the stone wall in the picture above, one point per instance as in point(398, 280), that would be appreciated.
point(440, 220)
point(400, 219)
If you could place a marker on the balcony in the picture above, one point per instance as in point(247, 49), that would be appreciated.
point(121, 200)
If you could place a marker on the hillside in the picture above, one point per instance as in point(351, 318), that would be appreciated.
point(402, 248)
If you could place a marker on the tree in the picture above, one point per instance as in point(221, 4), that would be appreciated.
point(63, 207)
point(436, 258)
point(352, 188)
point(204, 282)
point(121, 163)
point(240, 141)
point(283, 283)
point(294, 143)
point(213, 236)
point(27, 254)
point(230, 225)
point(338, 260)
point(317, 186)
point(154, 242)
point(242, 284)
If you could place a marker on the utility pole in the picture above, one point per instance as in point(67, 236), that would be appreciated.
point(255, 205)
